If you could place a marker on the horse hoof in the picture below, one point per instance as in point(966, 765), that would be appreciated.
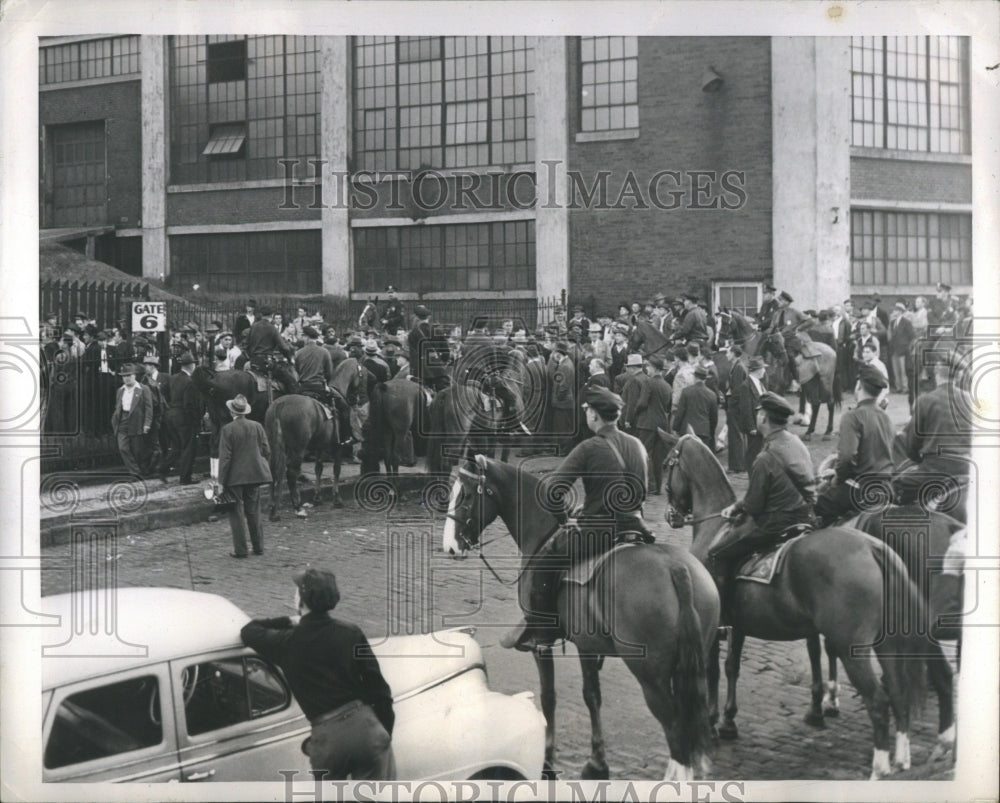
point(831, 712)
point(591, 772)
point(728, 731)
point(807, 437)
point(814, 719)
point(307, 505)
point(826, 436)
point(715, 733)
point(300, 513)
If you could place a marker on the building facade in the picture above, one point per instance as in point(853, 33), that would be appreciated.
point(515, 167)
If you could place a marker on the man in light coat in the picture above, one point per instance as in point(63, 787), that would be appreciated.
point(243, 468)
point(132, 420)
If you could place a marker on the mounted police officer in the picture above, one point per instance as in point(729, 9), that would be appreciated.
point(393, 319)
point(780, 496)
point(314, 365)
point(609, 461)
point(768, 308)
point(864, 454)
point(266, 348)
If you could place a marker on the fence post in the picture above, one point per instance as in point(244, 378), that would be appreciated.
point(562, 297)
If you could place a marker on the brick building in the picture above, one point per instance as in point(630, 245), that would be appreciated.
point(515, 167)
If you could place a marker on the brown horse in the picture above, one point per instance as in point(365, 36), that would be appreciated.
point(653, 606)
point(295, 424)
point(395, 412)
point(734, 326)
point(833, 583)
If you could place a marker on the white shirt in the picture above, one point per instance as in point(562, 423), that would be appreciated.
point(105, 368)
point(128, 394)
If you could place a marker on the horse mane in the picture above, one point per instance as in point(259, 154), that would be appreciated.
point(712, 465)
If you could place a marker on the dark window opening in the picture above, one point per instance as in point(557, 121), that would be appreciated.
point(227, 61)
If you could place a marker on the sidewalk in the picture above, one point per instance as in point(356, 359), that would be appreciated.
point(141, 505)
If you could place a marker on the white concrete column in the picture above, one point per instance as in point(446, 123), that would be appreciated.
point(335, 138)
point(551, 154)
point(155, 255)
point(811, 168)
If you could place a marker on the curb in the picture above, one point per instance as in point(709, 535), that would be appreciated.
point(58, 530)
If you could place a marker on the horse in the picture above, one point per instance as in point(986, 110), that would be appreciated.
point(295, 424)
point(768, 346)
point(653, 606)
point(817, 369)
point(395, 412)
point(923, 539)
point(832, 583)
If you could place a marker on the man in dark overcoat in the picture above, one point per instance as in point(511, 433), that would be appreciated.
point(243, 468)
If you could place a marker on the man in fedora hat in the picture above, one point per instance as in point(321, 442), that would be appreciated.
point(631, 369)
point(608, 460)
point(336, 680)
point(243, 468)
point(132, 420)
point(698, 408)
point(184, 417)
point(157, 442)
point(747, 395)
point(652, 411)
point(780, 496)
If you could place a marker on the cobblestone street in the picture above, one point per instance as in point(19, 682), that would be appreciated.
point(395, 579)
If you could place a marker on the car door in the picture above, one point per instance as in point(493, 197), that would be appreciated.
point(115, 727)
point(236, 719)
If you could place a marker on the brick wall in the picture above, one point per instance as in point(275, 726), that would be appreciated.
point(260, 205)
point(900, 180)
point(618, 254)
point(119, 106)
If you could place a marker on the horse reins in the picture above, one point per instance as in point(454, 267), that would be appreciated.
point(673, 459)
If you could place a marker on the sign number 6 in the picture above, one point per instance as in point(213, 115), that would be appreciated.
point(148, 322)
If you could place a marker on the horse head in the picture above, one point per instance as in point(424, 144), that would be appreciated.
point(473, 505)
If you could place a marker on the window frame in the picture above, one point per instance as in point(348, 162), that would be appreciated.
point(224, 63)
point(627, 131)
point(729, 284)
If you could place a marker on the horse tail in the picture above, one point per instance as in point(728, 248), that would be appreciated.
point(276, 440)
point(903, 648)
point(688, 684)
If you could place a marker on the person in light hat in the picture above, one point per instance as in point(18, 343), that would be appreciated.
point(336, 680)
point(698, 408)
point(608, 460)
point(243, 467)
point(632, 368)
point(864, 453)
point(132, 420)
point(779, 499)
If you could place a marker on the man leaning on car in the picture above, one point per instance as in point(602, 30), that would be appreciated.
point(336, 681)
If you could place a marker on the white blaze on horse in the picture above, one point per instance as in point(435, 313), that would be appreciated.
point(654, 606)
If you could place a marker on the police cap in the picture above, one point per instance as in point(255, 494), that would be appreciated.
point(872, 378)
point(602, 400)
point(776, 405)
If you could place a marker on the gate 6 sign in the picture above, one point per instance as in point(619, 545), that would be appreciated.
point(149, 316)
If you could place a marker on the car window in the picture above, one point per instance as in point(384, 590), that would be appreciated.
point(105, 721)
point(226, 691)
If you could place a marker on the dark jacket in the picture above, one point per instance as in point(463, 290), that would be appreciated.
point(429, 352)
point(243, 453)
point(140, 416)
point(693, 326)
point(313, 364)
point(327, 663)
point(653, 406)
point(699, 407)
point(782, 487)
point(865, 442)
point(935, 430)
point(631, 391)
point(748, 404)
point(264, 338)
point(901, 336)
point(242, 324)
point(184, 397)
point(598, 381)
point(563, 386)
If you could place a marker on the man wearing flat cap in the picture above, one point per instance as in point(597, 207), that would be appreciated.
point(781, 494)
point(132, 420)
point(243, 468)
point(767, 308)
point(336, 680)
point(693, 326)
point(612, 465)
point(864, 453)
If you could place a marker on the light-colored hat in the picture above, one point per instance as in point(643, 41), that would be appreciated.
point(634, 360)
point(239, 405)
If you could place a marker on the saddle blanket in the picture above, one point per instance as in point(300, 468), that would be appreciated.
point(262, 381)
point(763, 567)
point(585, 571)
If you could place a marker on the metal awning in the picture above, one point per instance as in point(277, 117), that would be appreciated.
point(226, 140)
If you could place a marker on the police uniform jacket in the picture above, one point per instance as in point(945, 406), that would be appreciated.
point(595, 462)
point(766, 314)
point(393, 317)
point(865, 442)
point(694, 326)
point(264, 338)
point(782, 484)
point(699, 407)
point(313, 364)
point(786, 320)
point(933, 428)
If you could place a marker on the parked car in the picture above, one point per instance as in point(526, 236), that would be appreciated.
point(153, 684)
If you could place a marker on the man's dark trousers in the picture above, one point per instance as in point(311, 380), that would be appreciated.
point(244, 515)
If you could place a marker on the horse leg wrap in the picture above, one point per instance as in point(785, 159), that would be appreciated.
point(831, 699)
point(880, 765)
point(213, 463)
point(902, 757)
point(677, 772)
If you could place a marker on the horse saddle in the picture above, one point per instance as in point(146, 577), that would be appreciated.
point(262, 381)
point(763, 567)
point(586, 570)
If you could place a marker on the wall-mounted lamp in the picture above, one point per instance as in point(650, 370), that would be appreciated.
point(711, 81)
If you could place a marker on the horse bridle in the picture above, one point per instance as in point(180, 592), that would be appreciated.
point(676, 517)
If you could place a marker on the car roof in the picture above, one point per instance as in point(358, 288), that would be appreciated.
point(136, 627)
point(154, 625)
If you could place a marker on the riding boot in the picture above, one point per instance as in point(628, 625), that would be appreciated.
point(537, 592)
